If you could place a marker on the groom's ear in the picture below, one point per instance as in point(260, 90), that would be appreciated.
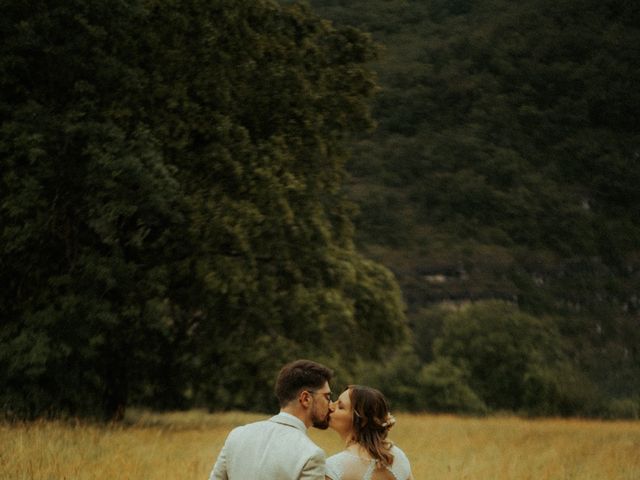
point(304, 398)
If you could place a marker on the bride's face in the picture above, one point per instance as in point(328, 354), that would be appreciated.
point(342, 417)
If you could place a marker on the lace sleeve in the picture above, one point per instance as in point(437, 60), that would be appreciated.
point(334, 467)
point(401, 467)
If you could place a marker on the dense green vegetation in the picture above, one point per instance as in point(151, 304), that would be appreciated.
point(506, 166)
point(173, 224)
point(192, 193)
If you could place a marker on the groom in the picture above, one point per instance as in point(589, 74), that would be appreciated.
point(279, 448)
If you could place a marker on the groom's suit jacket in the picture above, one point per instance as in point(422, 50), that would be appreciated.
point(274, 449)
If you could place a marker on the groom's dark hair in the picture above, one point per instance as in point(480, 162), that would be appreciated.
point(300, 375)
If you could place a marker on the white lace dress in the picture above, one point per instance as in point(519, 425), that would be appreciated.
point(345, 465)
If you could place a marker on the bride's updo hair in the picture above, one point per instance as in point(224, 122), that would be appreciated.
point(371, 423)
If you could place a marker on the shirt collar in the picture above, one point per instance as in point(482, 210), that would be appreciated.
point(288, 419)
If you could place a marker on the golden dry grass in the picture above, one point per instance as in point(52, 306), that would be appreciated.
point(184, 446)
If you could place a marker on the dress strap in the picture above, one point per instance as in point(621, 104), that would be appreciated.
point(369, 472)
point(372, 468)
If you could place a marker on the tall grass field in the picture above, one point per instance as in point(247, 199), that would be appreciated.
point(184, 446)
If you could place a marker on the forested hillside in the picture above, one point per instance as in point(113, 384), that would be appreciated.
point(504, 171)
point(194, 192)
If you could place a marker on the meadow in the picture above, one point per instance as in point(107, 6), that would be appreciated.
point(176, 446)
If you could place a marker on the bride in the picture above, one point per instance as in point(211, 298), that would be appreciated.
point(361, 417)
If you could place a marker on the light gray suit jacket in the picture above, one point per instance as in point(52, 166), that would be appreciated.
point(274, 449)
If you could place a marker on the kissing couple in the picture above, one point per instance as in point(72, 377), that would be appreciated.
point(279, 448)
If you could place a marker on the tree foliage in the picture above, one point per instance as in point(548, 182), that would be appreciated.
point(175, 207)
point(511, 360)
point(173, 223)
point(508, 142)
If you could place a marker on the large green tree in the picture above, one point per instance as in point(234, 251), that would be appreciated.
point(173, 220)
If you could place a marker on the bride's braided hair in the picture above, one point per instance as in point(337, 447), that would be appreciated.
point(371, 423)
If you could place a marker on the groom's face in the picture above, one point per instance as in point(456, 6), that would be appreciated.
point(321, 409)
